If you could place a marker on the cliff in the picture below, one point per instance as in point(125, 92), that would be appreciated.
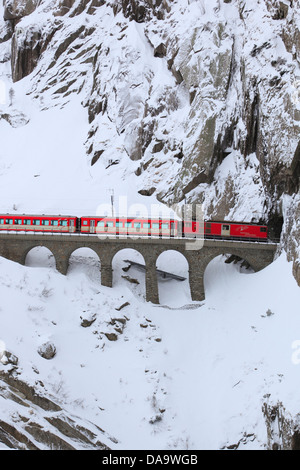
point(204, 96)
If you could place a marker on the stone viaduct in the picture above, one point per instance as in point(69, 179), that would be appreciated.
point(16, 246)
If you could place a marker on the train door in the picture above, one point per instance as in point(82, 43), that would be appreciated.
point(173, 229)
point(92, 226)
point(225, 230)
point(71, 226)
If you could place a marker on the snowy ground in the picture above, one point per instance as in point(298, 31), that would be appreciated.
point(182, 375)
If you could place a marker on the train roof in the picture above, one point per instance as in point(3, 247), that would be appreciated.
point(129, 217)
point(160, 218)
point(233, 223)
point(124, 217)
point(37, 215)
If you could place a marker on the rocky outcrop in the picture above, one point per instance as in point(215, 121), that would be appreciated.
point(73, 8)
point(39, 423)
point(25, 56)
point(283, 430)
point(16, 9)
point(142, 10)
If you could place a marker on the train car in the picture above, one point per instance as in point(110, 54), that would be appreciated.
point(38, 223)
point(171, 228)
point(233, 230)
point(129, 226)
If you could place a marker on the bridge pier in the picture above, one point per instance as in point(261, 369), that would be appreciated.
point(106, 275)
point(62, 264)
point(152, 294)
point(197, 261)
point(196, 287)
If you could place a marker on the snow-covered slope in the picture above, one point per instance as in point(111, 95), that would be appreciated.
point(178, 376)
point(184, 101)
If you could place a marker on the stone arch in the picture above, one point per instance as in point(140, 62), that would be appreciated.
point(250, 257)
point(258, 258)
point(39, 256)
point(223, 268)
point(85, 260)
point(129, 274)
point(176, 263)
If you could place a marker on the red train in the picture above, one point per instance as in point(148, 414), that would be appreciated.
point(133, 226)
point(38, 223)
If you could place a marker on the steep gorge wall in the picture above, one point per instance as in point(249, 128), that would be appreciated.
point(203, 96)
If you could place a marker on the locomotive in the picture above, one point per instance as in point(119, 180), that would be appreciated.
point(131, 226)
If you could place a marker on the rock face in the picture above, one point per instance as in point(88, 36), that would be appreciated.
point(282, 429)
point(203, 105)
point(210, 107)
point(39, 423)
point(16, 9)
point(23, 64)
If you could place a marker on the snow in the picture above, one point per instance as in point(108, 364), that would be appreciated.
point(52, 168)
point(181, 375)
point(201, 386)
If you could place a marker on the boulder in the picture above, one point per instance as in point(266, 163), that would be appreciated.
point(7, 357)
point(47, 350)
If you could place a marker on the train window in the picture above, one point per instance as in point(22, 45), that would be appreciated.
point(165, 226)
point(225, 227)
point(63, 223)
point(109, 224)
point(263, 229)
point(45, 222)
point(54, 222)
point(85, 222)
point(100, 224)
point(127, 224)
point(155, 225)
point(36, 222)
point(119, 224)
point(27, 222)
point(1, 221)
point(9, 221)
point(137, 224)
point(18, 221)
point(146, 225)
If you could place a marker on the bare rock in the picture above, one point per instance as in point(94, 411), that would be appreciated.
point(7, 357)
point(26, 50)
point(111, 336)
point(160, 50)
point(86, 322)
point(49, 427)
point(130, 279)
point(15, 9)
point(282, 429)
point(125, 304)
point(47, 350)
